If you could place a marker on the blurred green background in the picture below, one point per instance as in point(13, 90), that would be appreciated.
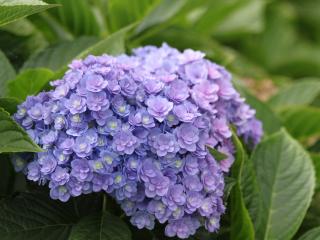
point(259, 39)
point(272, 47)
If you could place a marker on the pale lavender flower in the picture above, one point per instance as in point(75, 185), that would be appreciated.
point(124, 142)
point(81, 170)
point(159, 107)
point(76, 104)
point(186, 112)
point(33, 171)
point(205, 93)
point(196, 71)
point(128, 86)
point(60, 176)
point(153, 86)
point(164, 144)
point(60, 192)
point(187, 136)
point(48, 164)
point(177, 91)
point(120, 106)
point(182, 228)
point(142, 219)
point(82, 147)
point(97, 101)
point(94, 82)
point(35, 112)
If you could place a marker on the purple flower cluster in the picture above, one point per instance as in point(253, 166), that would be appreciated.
point(138, 127)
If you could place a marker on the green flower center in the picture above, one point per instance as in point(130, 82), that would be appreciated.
point(108, 159)
point(122, 109)
point(62, 189)
point(76, 118)
point(113, 125)
point(118, 179)
point(98, 165)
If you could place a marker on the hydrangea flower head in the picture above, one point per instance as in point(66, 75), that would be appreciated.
point(138, 127)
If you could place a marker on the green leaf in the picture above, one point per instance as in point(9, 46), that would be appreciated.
point(125, 12)
point(59, 55)
point(258, 47)
point(271, 122)
point(218, 156)
point(303, 92)
point(12, 137)
point(230, 17)
point(7, 72)
point(103, 226)
point(15, 9)
point(6, 175)
point(229, 184)
point(286, 180)
point(301, 122)
point(241, 224)
point(313, 234)
point(250, 189)
point(114, 44)
point(9, 104)
point(308, 12)
point(165, 10)
point(29, 82)
point(10, 181)
point(77, 17)
point(34, 217)
point(316, 162)
point(247, 18)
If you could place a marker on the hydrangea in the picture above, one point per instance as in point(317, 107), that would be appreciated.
point(138, 127)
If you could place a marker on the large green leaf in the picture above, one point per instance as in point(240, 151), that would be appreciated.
point(59, 55)
point(13, 10)
point(29, 82)
point(35, 217)
point(303, 92)
point(12, 137)
point(7, 72)
point(241, 224)
point(313, 234)
point(103, 226)
point(250, 190)
point(286, 180)
point(301, 122)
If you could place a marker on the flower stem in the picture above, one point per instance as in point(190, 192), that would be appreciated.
point(104, 203)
